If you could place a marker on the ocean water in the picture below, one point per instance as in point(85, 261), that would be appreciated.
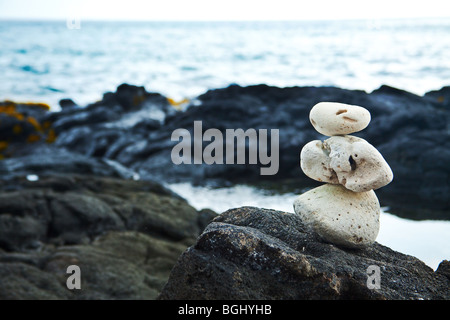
point(47, 61)
point(426, 240)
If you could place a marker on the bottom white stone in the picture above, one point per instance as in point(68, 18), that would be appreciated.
point(341, 216)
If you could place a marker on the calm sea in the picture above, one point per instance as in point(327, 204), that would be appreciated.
point(47, 61)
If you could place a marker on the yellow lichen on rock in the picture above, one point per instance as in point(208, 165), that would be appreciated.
point(40, 105)
point(3, 145)
point(177, 104)
point(51, 136)
point(46, 125)
point(10, 110)
point(35, 124)
point(33, 138)
point(17, 129)
point(137, 100)
point(25, 126)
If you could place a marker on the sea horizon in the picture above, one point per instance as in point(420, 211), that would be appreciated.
point(45, 61)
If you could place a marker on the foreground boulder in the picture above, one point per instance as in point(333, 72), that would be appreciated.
point(252, 253)
point(124, 235)
point(116, 265)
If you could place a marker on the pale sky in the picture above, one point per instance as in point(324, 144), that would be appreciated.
point(221, 10)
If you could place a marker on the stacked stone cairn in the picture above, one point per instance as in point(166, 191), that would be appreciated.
point(345, 211)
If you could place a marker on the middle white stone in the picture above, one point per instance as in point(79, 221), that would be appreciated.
point(346, 160)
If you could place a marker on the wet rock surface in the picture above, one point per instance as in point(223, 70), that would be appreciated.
point(254, 253)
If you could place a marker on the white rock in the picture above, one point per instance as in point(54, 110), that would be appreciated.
point(347, 160)
point(315, 162)
point(332, 118)
point(340, 216)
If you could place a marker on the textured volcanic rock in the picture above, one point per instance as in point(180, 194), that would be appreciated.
point(253, 253)
point(124, 235)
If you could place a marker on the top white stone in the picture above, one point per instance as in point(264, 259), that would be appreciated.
point(333, 118)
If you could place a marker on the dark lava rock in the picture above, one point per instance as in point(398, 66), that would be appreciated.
point(124, 235)
point(116, 265)
point(252, 253)
point(410, 131)
point(441, 96)
point(67, 104)
point(74, 208)
point(134, 127)
point(23, 123)
point(43, 159)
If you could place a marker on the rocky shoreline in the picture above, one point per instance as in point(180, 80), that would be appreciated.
point(133, 128)
point(83, 186)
